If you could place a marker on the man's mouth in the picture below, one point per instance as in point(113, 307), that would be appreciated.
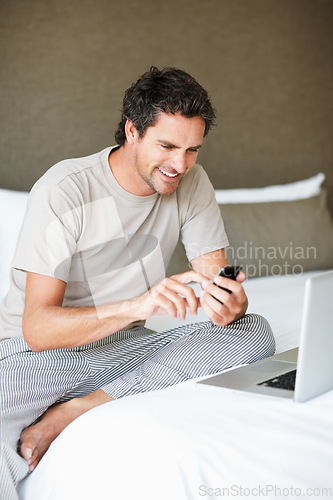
point(168, 174)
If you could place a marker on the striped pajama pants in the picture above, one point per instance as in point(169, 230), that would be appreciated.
point(125, 363)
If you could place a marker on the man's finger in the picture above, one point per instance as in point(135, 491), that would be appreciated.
point(189, 277)
point(178, 293)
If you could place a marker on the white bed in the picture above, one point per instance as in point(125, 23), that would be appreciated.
point(192, 441)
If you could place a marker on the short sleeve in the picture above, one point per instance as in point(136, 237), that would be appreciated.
point(49, 233)
point(202, 228)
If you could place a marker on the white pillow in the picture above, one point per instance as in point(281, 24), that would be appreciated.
point(288, 192)
point(12, 209)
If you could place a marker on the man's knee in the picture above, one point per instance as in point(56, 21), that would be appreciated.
point(260, 331)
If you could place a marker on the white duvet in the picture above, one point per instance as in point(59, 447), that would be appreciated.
point(193, 441)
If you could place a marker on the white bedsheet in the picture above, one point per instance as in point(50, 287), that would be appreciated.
point(187, 441)
point(192, 441)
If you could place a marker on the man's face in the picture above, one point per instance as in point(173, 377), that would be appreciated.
point(167, 151)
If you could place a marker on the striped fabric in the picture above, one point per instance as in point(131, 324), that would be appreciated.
point(125, 363)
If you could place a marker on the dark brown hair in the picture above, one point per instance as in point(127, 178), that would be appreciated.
point(169, 90)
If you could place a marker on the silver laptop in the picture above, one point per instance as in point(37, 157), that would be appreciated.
point(313, 358)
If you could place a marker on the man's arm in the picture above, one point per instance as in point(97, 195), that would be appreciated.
point(49, 325)
point(220, 306)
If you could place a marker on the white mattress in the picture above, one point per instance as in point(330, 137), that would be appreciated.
point(177, 443)
point(193, 441)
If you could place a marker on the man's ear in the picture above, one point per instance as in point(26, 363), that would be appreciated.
point(131, 132)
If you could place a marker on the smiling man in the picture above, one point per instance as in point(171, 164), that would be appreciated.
point(89, 269)
point(157, 162)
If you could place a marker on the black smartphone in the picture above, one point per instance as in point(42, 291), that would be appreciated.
point(230, 272)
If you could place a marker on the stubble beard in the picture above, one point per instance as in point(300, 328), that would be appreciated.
point(154, 181)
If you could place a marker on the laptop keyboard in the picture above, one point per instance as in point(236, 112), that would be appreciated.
point(285, 381)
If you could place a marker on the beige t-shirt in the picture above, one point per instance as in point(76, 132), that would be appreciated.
point(108, 245)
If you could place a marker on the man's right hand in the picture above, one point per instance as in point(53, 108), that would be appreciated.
point(171, 296)
point(49, 325)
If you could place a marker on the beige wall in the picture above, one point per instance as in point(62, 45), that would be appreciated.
point(267, 64)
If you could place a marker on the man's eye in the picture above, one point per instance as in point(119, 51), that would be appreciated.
point(165, 146)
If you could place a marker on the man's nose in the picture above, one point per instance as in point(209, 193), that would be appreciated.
point(179, 162)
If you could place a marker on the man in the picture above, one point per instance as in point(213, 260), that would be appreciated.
point(89, 270)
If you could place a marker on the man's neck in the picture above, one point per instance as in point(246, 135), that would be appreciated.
point(121, 165)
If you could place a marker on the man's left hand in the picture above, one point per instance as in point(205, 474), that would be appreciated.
point(221, 306)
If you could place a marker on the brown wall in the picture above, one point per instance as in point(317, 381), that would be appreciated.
point(267, 64)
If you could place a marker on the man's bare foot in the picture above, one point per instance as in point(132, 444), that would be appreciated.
point(35, 440)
